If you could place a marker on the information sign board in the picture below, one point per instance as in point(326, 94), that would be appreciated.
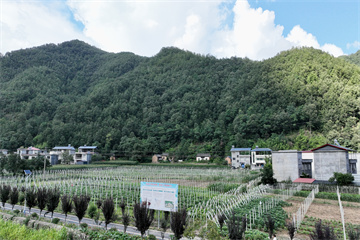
point(160, 196)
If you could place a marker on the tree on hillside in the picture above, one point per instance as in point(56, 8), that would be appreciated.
point(15, 164)
point(267, 173)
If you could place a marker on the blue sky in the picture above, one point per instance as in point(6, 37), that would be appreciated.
point(257, 29)
point(337, 22)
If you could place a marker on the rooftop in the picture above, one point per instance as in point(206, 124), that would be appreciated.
point(261, 150)
point(304, 180)
point(239, 149)
point(334, 146)
point(69, 147)
point(87, 147)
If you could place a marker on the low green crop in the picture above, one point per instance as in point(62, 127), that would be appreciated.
point(11, 231)
point(255, 234)
point(344, 196)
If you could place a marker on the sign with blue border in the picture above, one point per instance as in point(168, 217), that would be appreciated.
point(160, 196)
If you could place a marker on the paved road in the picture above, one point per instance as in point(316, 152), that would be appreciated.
point(88, 221)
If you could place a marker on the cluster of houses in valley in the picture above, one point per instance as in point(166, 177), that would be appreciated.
point(56, 155)
point(318, 164)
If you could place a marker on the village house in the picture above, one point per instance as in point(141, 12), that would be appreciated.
point(203, 157)
point(246, 156)
point(31, 152)
point(57, 152)
point(4, 151)
point(84, 154)
point(240, 157)
point(317, 164)
point(160, 157)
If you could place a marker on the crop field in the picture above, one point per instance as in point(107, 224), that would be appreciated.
point(206, 194)
point(196, 186)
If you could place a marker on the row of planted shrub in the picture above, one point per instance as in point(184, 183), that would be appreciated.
point(331, 196)
point(79, 204)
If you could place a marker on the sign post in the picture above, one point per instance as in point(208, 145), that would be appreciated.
point(160, 196)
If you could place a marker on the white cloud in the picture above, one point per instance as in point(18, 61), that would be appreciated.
point(144, 27)
point(147, 26)
point(300, 38)
point(254, 34)
point(28, 24)
point(355, 44)
point(193, 35)
point(332, 49)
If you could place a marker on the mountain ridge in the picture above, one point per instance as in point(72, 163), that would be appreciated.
point(176, 100)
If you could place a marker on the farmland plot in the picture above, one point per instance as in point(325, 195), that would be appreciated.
point(196, 186)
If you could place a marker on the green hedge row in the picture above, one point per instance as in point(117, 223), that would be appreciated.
point(331, 196)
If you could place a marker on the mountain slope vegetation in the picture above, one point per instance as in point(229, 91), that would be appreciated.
point(353, 58)
point(175, 101)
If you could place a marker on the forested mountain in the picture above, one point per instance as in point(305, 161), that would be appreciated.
point(176, 101)
point(353, 58)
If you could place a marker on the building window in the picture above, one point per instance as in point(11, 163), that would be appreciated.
point(353, 168)
point(306, 169)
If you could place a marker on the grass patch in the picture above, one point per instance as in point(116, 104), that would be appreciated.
point(10, 230)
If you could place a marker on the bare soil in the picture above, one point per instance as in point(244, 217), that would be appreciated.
point(323, 209)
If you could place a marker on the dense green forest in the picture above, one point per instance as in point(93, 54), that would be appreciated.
point(176, 101)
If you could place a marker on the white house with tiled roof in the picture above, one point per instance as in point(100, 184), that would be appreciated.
point(31, 152)
point(58, 151)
